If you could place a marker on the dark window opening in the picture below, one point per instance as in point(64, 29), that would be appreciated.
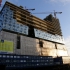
point(55, 46)
point(2, 41)
point(31, 31)
point(18, 42)
point(41, 43)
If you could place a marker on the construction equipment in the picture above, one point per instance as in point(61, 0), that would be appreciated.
point(48, 13)
point(56, 13)
point(29, 9)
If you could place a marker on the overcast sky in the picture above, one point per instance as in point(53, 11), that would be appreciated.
point(49, 6)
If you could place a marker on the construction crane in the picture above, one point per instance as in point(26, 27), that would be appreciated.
point(48, 13)
point(29, 9)
point(56, 13)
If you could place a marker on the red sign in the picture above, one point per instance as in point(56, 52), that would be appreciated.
point(0, 2)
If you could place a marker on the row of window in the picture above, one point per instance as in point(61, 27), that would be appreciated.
point(30, 57)
point(21, 65)
point(24, 57)
point(27, 61)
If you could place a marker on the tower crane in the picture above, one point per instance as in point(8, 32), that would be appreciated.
point(48, 13)
point(29, 9)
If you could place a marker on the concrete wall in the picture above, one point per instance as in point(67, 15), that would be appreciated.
point(48, 45)
point(29, 46)
point(61, 47)
point(49, 52)
point(62, 53)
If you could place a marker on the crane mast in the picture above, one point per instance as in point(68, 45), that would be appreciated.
point(56, 13)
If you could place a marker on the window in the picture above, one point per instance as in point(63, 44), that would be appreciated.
point(18, 42)
point(7, 61)
point(21, 60)
point(14, 56)
point(41, 43)
point(37, 64)
point(4, 56)
point(18, 56)
point(0, 55)
point(24, 61)
point(55, 45)
point(11, 56)
point(7, 56)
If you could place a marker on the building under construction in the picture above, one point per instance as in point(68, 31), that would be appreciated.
point(22, 33)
